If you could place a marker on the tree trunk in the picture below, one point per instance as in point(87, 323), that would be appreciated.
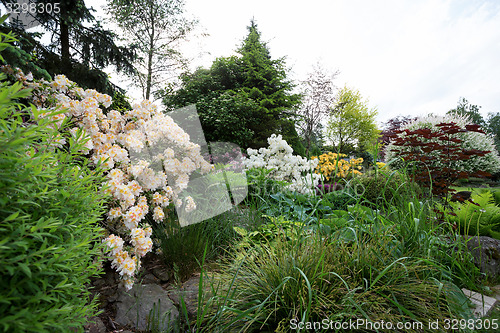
point(150, 57)
point(64, 36)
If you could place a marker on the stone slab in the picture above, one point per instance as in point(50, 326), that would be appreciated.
point(483, 304)
point(143, 304)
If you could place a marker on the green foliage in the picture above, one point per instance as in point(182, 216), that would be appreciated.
point(268, 232)
point(470, 111)
point(480, 217)
point(496, 196)
point(49, 235)
point(23, 56)
point(260, 186)
point(31, 56)
point(184, 248)
point(493, 127)
point(352, 122)
point(227, 117)
point(312, 279)
point(379, 188)
point(339, 200)
point(120, 102)
point(242, 99)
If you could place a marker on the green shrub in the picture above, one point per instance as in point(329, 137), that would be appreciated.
point(339, 200)
point(49, 233)
point(381, 188)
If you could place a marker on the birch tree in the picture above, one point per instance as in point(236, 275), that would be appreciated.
point(318, 97)
point(157, 28)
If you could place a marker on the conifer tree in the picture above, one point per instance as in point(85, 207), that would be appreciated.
point(244, 98)
point(79, 45)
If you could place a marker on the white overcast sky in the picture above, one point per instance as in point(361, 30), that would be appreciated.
point(408, 57)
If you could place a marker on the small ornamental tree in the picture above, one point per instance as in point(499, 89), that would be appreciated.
point(436, 153)
point(470, 140)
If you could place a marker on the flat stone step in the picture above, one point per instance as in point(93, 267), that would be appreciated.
point(483, 304)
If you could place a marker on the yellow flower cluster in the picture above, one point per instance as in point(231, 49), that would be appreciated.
point(333, 165)
point(380, 165)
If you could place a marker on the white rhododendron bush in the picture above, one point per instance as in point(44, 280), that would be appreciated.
point(470, 141)
point(125, 145)
point(294, 169)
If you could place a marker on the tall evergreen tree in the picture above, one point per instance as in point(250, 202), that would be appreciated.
point(242, 99)
point(464, 108)
point(79, 45)
point(266, 83)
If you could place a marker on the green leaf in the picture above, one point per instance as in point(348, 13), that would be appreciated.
point(12, 216)
point(25, 269)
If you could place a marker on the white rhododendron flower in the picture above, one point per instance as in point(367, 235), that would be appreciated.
point(190, 204)
point(117, 141)
point(296, 170)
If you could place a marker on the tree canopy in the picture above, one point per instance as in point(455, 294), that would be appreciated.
point(156, 28)
point(242, 99)
point(352, 122)
point(79, 46)
point(464, 108)
point(318, 93)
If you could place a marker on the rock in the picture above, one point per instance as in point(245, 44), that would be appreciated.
point(143, 303)
point(95, 325)
point(486, 252)
point(161, 273)
point(149, 279)
point(483, 305)
point(189, 293)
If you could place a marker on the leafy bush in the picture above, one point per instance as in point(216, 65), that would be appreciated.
point(439, 155)
point(49, 234)
point(470, 140)
point(379, 188)
point(339, 200)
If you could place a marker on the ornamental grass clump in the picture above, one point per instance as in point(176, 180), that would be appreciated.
point(313, 279)
point(50, 209)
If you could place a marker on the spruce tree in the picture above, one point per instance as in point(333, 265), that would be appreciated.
point(242, 99)
point(80, 47)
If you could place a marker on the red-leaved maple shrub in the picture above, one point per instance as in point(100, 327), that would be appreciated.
point(438, 170)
